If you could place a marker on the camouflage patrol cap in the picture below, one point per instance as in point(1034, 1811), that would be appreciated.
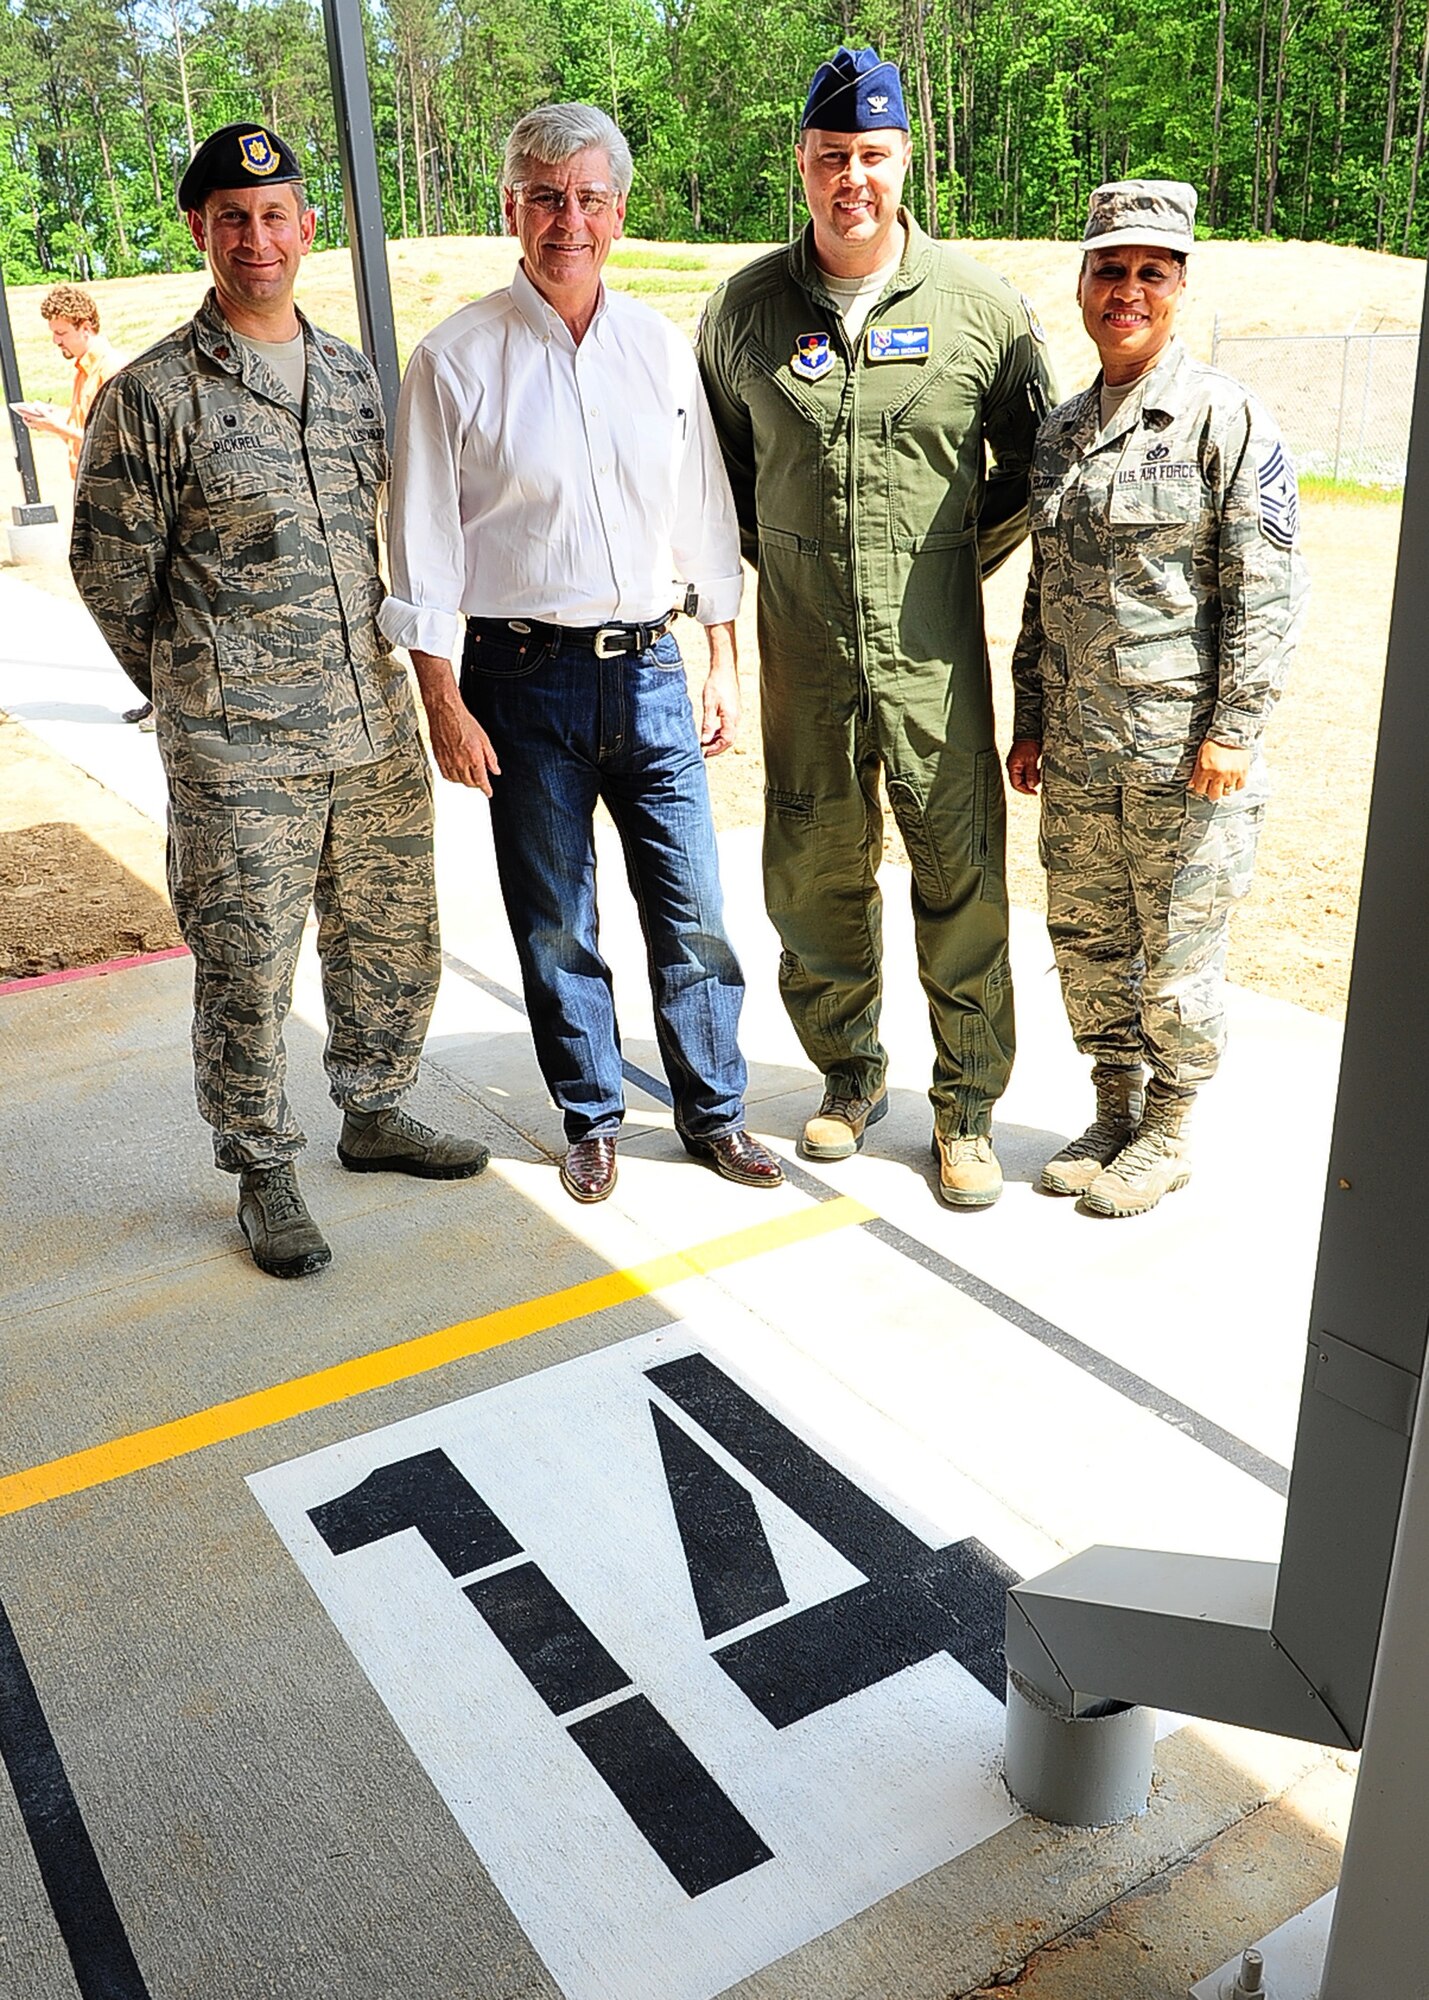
point(1159, 213)
point(237, 156)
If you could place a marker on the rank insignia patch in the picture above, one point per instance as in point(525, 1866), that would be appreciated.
point(897, 343)
point(258, 155)
point(1279, 500)
point(812, 357)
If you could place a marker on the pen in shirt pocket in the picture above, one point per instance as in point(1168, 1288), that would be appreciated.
point(683, 431)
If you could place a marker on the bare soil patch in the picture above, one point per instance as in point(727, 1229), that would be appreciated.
point(80, 871)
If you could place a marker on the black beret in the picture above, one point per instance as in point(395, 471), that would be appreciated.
point(237, 156)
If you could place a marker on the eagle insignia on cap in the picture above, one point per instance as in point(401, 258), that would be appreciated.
point(259, 155)
point(878, 103)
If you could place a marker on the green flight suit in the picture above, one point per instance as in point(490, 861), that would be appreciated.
point(864, 499)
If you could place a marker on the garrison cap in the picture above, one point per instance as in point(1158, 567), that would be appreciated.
point(237, 156)
point(858, 91)
point(1159, 213)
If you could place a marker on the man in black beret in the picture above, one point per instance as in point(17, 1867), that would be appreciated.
point(225, 539)
point(858, 380)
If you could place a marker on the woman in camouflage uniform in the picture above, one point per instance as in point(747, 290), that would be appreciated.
point(1164, 599)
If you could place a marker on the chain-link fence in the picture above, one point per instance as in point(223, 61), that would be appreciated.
point(1341, 399)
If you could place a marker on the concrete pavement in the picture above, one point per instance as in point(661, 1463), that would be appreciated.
point(499, 1614)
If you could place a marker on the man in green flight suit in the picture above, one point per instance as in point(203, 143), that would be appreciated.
point(226, 543)
point(856, 379)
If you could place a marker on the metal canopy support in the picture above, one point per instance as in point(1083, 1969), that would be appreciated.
point(362, 195)
point(1295, 1648)
point(10, 372)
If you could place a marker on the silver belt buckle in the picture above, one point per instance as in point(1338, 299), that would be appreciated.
point(610, 643)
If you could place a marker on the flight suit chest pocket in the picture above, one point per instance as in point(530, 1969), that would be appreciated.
point(793, 423)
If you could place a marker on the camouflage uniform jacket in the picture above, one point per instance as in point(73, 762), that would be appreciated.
point(1166, 588)
point(226, 545)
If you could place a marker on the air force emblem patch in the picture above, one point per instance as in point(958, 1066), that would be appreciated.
point(1279, 499)
point(812, 357)
point(258, 155)
point(897, 343)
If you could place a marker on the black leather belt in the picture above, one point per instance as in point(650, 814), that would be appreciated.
point(607, 642)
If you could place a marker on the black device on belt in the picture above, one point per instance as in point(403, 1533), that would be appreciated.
point(607, 642)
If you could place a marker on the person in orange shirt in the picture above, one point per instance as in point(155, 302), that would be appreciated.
point(73, 319)
point(74, 328)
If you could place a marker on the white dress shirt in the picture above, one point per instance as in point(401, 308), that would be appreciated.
point(534, 478)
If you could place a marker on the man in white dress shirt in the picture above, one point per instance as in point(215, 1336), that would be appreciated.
point(558, 485)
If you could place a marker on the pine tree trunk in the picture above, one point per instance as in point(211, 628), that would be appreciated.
point(1305, 182)
point(1213, 195)
point(950, 128)
point(1391, 119)
point(184, 91)
point(1272, 176)
point(927, 131)
point(1418, 138)
point(401, 158)
point(1343, 72)
point(1259, 118)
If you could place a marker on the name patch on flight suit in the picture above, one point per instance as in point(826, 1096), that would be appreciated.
point(897, 343)
point(812, 356)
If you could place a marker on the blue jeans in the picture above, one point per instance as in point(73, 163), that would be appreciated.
point(569, 729)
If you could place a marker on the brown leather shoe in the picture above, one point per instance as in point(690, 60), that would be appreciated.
point(738, 1158)
point(588, 1170)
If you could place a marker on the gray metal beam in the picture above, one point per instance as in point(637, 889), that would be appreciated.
point(362, 194)
point(1292, 1648)
point(10, 373)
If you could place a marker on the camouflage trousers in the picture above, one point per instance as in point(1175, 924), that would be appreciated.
point(1141, 881)
point(246, 862)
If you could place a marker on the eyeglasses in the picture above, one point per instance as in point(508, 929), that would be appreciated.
point(552, 201)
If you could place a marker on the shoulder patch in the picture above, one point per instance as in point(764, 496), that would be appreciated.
point(1279, 498)
point(1034, 325)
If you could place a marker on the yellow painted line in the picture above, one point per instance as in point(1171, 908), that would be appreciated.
point(82, 1470)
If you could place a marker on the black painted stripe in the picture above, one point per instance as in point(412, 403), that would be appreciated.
point(732, 1569)
point(955, 1603)
point(99, 1951)
point(551, 1644)
point(1145, 1395)
point(427, 1493)
point(849, 1519)
point(696, 1829)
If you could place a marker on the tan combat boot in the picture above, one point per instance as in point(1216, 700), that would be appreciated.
point(1156, 1162)
point(836, 1129)
point(1119, 1106)
point(969, 1175)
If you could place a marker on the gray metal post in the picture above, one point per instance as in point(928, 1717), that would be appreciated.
point(362, 195)
point(1291, 1648)
point(1379, 1938)
point(10, 372)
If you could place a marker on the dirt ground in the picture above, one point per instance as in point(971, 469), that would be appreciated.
point(81, 872)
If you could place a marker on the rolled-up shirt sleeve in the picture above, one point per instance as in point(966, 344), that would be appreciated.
point(705, 543)
point(425, 546)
